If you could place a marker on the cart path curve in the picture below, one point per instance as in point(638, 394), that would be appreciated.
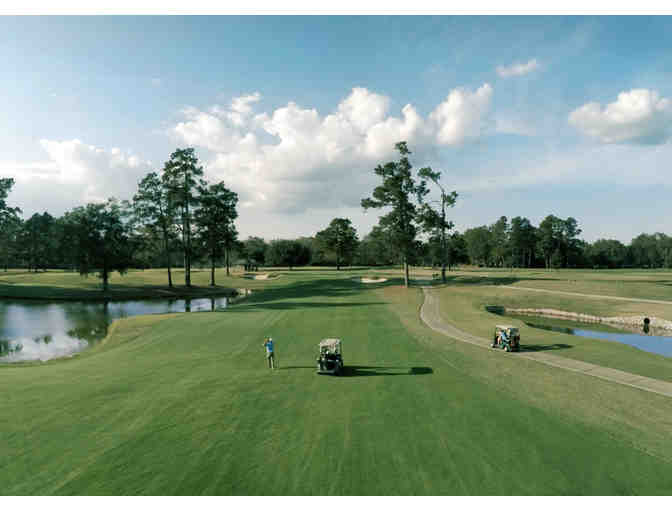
point(429, 313)
point(592, 296)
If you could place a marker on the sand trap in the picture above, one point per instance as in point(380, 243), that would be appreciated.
point(372, 280)
point(265, 276)
point(636, 321)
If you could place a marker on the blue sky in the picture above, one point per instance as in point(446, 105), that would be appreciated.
point(523, 115)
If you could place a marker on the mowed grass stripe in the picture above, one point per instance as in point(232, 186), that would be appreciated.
point(188, 407)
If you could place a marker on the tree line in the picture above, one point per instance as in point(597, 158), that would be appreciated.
point(178, 219)
point(555, 243)
point(175, 214)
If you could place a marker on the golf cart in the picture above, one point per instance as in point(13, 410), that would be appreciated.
point(330, 360)
point(509, 341)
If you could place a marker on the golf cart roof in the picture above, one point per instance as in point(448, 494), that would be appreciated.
point(507, 326)
point(330, 343)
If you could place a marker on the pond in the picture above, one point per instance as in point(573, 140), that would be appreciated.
point(646, 340)
point(42, 330)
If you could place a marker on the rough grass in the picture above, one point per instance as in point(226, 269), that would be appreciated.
point(463, 304)
point(183, 404)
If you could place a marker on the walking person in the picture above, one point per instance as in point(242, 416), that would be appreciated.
point(270, 352)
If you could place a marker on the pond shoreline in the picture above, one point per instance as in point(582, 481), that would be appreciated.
point(93, 296)
point(41, 330)
point(633, 321)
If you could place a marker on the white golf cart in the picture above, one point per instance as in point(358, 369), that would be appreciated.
point(330, 360)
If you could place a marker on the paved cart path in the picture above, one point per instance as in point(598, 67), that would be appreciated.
point(592, 296)
point(429, 313)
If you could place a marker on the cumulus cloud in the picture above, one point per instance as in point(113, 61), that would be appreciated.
point(639, 116)
point(74, 173)
point(517, 69)
point(241, 107)
point(462, 115)
point(294, 158)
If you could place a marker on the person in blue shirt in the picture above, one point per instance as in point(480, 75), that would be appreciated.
point(503, 337)
point(270, 352)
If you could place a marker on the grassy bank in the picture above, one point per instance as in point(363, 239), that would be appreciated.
point(183, 404)
point(152, 283)
point(464, 301)
point(136, 284)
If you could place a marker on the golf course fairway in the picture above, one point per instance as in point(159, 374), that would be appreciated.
point(185, 404)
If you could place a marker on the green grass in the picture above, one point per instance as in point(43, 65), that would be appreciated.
point(183, 404)
point(149, 283)
point(464, 305)
point(631, 283)
point(136, 284)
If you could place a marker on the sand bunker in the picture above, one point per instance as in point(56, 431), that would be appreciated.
point(372, 280)
point(264, 276)
point(632, 321)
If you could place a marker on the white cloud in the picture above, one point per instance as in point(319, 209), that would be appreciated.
point(212, 130)
point(638, 116)
point(293, 158)
point(462, 115)
point(517, 69)
point(241, 107)
point(73, 174)
point(363, 108)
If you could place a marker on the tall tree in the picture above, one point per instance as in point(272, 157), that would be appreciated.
point(479, 245)
point(341, 238)
point(396, 191)
point(37, 242)
point(500, 240)
point(6, 185)
point(570, 244)
point(10, 222)
point(10, 228)
point(433, 221)
point(155, 210)
point(182, 179)
point(522, 239)
point(290, 253)
point(254, 251)
point(214, 221)
point(101, 239)
point(376, 248)
point(550, 234)
point(607, 253)
point(457, 249)
point(645, 251)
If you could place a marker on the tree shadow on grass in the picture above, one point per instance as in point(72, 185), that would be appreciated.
point(544, 347)
point(368, 371)
point(487, 280)
point(323, 287)
point(295, 305)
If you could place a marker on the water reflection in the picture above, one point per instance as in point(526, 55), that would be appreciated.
point(646, 341)
point(41, 330)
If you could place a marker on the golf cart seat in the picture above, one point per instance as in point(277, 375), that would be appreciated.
point(506, 337)
point(330, 360)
